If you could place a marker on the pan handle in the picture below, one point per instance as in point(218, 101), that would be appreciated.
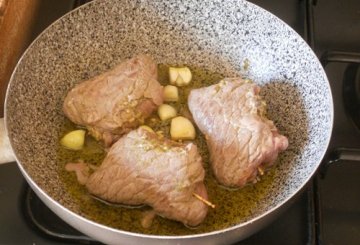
point(6, 152)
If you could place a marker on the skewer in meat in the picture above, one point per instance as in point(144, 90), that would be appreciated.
point(144, 168)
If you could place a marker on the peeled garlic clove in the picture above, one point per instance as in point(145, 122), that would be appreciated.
point(180, 76)
point(185, 75)
point(173, 74)
point(180, 81)
point(182, 129)
point(74, 140)
point(166, 112)
point(171, 93)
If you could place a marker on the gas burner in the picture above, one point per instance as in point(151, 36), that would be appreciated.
point(335, 202)
point(42, 219)
point(351, 92)
point(351, 102)
point(341, 57)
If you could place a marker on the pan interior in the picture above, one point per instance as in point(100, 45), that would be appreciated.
point(232, 38)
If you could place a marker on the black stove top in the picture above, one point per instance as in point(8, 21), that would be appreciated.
point(327, 212)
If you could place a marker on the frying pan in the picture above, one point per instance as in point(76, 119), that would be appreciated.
point(233, 38)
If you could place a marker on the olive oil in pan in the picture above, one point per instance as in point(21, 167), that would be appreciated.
point(232, 206)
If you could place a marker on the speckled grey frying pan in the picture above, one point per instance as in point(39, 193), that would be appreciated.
point(229, 37)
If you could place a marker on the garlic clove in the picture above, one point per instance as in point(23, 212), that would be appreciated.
point(180, 76)
point(74, 140)
point(181, 128)
point(171, 93)
point(185, 75)
point(166, 112)
point(173, 75)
